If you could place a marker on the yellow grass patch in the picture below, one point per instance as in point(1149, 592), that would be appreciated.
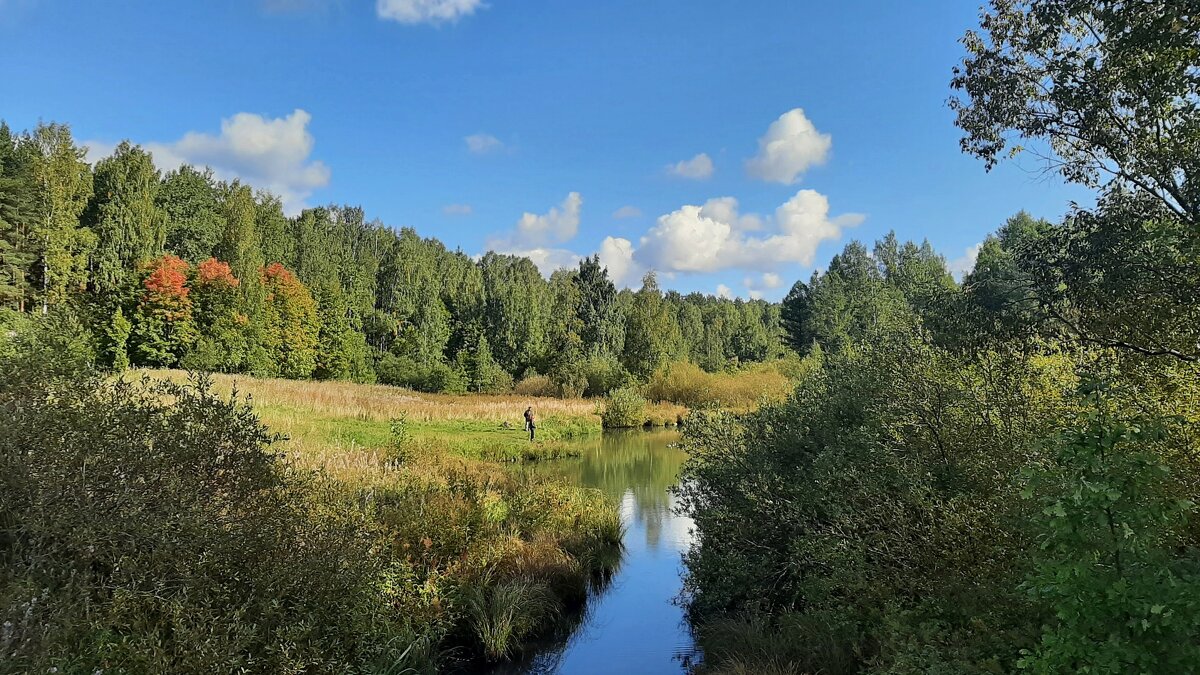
point(379, 402)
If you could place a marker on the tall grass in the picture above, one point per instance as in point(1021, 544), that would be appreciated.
point(378, 402)
point(503, 614)
point(688, 385)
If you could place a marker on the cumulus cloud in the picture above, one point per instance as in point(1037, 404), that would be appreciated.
point(756, 287)
point(536, 235)
point(482, 144)
point(426, 11)
point(627, 212)
point(556, 226)
point(791, 145)
point(716, 236)
point(696, 168)
point(457, 209)
point(269, 153)
point(616, 254)
point(549, 259)
point(724, 291)
point(965, 263)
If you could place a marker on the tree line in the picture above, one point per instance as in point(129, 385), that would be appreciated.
point(183, 270)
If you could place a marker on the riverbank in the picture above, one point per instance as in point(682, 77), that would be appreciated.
point(480, 558)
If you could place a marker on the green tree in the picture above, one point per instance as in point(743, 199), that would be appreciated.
point(602, 324)
point(195, 223)
point(17, 255)
point(124, 215)
point(516, 310)
point(652, 336)
point(63, 186)
point(290, 324)
point(1106, 91)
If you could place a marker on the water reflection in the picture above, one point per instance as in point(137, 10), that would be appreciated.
point(633, 624)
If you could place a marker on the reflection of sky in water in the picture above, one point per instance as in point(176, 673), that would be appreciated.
point(633, 626)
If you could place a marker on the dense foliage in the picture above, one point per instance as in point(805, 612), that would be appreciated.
point(184, 270)
point(997, 475)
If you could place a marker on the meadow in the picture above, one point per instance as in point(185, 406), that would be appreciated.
point(342, 426)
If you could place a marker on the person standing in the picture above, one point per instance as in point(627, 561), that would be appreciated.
point(530, 424)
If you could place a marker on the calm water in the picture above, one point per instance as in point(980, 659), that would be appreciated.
point(632, 625)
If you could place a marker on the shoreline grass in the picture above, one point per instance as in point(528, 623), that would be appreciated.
point(460, 533)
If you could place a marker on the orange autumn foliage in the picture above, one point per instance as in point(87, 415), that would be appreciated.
point(166, 287)
point(214, 272)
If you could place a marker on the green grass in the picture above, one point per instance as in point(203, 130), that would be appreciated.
point(475, 439)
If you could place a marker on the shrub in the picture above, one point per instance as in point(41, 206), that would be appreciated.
point(624, 408)
point(149, 527)
point(437, 377)
point(399, 371)
point(537, 385)
point(604, 373)
point(687, 384)
point(446, 379)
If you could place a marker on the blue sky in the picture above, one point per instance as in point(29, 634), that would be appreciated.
point(525, 125)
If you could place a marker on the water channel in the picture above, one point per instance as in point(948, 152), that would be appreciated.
point(633, 624)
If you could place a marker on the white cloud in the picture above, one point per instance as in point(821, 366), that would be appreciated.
point(965, 263)
point(627, 212)
point(757, 287)
point(616, 254)
point(556, 226)
point(696, 168)
point(269, 153)
point(791, 145)
point(536, 235)
point(482, 144)
point(724, 291)
point(457, 209)
point(426, 11)
point(549, 259)
point(725, 210)
point(715, 236)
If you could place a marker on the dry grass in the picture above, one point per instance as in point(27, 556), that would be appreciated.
point(687, 384)
point(380, 403)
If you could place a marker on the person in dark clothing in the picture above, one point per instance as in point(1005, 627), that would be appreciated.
point(529, 421)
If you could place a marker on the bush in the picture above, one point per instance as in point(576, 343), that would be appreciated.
point(624, 408)
point(435, 378)
point(400, 371)
point(537, 385)
point(687, 384)
point(149, 527)
point(445, 379)
point(604, 373)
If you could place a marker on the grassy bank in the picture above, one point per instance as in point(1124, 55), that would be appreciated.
point(473, 557)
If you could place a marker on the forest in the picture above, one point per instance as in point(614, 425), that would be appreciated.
point(999, 475)
point(182, 270)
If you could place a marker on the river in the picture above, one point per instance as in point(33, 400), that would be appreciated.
point(633, 624)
